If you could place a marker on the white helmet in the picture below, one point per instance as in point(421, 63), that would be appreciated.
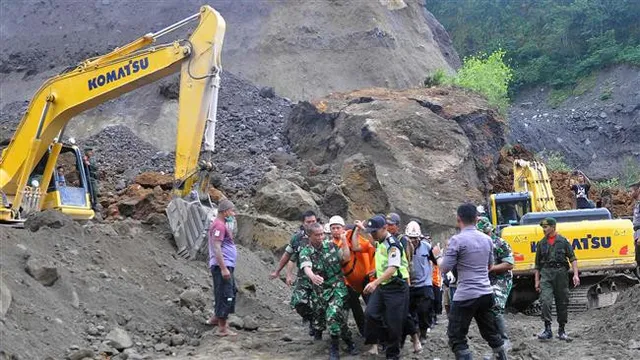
point(327, 229)
point(336, 220)
point(413, 229)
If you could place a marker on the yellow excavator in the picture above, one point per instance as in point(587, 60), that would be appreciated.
point(29, 162)
point(604, 246)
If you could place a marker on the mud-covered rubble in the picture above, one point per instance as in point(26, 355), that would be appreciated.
point(118, 292)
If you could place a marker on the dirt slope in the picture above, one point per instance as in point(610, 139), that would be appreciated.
point(302, 48)
point(596, 132)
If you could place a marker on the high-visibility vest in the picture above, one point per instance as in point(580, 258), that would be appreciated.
point(382, 260)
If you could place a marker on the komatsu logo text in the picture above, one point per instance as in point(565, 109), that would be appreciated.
point(588, 242)
point(114, 75)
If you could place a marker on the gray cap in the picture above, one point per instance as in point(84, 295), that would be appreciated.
point(225, 205)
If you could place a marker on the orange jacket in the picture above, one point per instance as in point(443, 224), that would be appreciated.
point(437, 278)
point(360, 264)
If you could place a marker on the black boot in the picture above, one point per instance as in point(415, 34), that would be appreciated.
point(562, 335)
point(317, 335)
point(547, 334)
point(312, 332)
point(464, 355)
point(351, 347)
point(500, 353)
point(334, 350)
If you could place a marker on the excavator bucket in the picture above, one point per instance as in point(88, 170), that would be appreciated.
point(189, 222)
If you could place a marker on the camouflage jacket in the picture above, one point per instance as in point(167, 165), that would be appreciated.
point(325, 261)
point(501, 254)
point(298, 241)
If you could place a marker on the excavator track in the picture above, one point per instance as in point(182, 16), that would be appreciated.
point(595, 292)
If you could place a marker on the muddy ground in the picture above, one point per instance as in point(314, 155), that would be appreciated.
point(126, 275)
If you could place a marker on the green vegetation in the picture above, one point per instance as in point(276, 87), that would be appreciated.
point(558, 95)
point(554, 161)
point(487, 75)
point(607, 184)
point(630, 172)
point(554, 42)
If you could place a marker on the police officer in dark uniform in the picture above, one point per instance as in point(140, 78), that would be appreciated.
point(553, 253)
point(388, 306)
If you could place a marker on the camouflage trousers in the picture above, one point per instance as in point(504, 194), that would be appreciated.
point(301, 297)
point(501, 290)
point(329, 310)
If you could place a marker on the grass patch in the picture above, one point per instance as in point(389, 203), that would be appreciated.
point(607, 184)
point(559, 95)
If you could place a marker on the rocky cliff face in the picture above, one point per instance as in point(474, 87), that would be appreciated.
point(418, 152)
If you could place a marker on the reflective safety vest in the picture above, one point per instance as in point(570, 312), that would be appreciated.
point(382, 259)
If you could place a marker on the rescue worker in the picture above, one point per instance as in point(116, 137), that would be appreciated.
point(500, 276)
point(635, 194)
point(91, 168)
point(393, 226)
point(436, 276)
point(321, 261)
point(471, 253)
point(354, 269)
point(551, 280)
point(301, 294)
point(388, 305)
point(421, 289)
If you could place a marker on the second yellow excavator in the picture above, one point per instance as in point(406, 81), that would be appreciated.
point(37, 149)
point(604, 246)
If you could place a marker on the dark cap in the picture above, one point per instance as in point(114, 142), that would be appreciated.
point(393, 219)
point(374, 224)
point(88, 148)
point(225, 205)
point(548, 221)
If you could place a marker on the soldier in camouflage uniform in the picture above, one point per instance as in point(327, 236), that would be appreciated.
point(302, 288)
point(322, 261)
point(500, 275)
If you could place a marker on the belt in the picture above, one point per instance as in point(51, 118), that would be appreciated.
point(555, 265)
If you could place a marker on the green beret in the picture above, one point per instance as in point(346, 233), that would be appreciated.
point(548, 221)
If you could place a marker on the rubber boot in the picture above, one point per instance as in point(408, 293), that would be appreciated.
point(547, 334)
point(351, 347)
point(317, 335)
point(464, 355)
point(500, 353)
point(562, 335)
point(334, 350)
point(311, 331)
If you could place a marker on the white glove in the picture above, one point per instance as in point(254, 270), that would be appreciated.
point(451, 278)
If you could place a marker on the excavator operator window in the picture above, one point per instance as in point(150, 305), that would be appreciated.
point(68, 177)
point(510, 213)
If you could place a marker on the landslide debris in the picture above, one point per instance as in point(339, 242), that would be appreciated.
point(117, 290)
point(419, 152)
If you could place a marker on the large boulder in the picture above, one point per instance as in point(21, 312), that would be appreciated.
point(43, 270)
point(284, 199)
point(418, 152)
point(49, 218)
point(264, 231)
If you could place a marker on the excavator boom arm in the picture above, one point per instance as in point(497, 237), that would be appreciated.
point(103, 78)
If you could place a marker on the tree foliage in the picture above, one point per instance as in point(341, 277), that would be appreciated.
point(488, 75)
point(551, 42)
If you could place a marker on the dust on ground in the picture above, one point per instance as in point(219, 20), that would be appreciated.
point(126, 275)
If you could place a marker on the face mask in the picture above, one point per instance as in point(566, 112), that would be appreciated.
point(229, 219)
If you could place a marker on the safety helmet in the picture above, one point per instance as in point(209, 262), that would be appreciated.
point(327, 229)
point(484, 224)
point(336, 220)
point(413, 229)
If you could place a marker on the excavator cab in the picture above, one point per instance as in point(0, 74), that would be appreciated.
point(68, 188)
point(507, 209)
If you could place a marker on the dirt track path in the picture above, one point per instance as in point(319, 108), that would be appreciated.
point(269, 343)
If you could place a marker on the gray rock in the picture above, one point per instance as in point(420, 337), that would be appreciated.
point(42, 270)
point(267, 92)
point(119, 339)
point(120, 185)
point(235, 321)
point(106, 348)
point(250, 323)
point(284, 199)
point(192, 298)
point(93, 331)
point(286, 337)
point(633, 344)
point(5, 298)
point(81, 354)
point(603, 115)
point(160, 347)
point(177, 340)
point(335, 202)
